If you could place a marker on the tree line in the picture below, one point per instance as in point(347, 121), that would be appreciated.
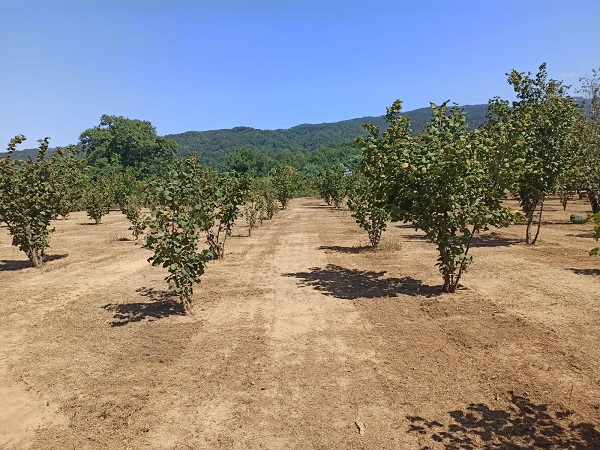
point(448, 180)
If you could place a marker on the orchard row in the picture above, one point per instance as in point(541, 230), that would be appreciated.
point(447, 180)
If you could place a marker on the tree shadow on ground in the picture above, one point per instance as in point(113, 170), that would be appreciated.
point(493, 240)
point(585, 271)
point(351, 284)
point(588, 235)
point(415, 237)
point(8, 264)
point(161, 304)
point(523, 425)
point(349, 250)
point(482, 240)
point(313, 206)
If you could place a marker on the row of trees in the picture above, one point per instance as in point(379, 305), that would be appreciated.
point(33, 193)
point(450, 181)
point(447, 180)
point(193, 208)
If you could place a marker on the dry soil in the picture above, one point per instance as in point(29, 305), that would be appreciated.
point(303, 338)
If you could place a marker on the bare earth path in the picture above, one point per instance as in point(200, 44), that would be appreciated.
point(303, 340)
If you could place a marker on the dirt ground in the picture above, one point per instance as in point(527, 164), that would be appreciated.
point(303, 339)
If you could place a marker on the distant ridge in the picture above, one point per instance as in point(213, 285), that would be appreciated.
point(213, 146)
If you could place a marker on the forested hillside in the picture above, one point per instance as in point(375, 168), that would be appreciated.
point(213, 147)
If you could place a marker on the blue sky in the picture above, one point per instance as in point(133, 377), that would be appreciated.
point(200, 65)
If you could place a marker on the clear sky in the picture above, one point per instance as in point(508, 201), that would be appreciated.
point(210, 64)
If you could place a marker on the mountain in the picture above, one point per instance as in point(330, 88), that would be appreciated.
point(212, 147)
point(29, 153)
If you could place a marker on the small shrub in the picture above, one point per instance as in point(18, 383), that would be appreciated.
point(578, 218)
point(390, 243)
point(230, 194)
point(251, 212)
point(286, 182)
point(131, 206)
point(181, 210)
point(362, 200)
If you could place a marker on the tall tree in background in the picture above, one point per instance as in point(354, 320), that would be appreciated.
point(247, 160)
point(545, 118)
point(589, 157)
point(133, 141)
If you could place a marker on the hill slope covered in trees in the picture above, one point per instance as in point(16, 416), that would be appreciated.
point(213, 147)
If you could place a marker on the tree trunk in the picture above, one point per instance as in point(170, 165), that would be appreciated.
point(187, 299)
point(35, 259)
point(537, 233)
point(529, 216)
point(594, 201)
point(450, 283)
point(447, 283)
point(463, 263)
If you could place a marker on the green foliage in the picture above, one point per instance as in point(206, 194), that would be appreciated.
point(29, 197)
point(567, 185)
point(332, 156)
point(252, 211)
point(97, 198)
point(230, 194)
point(321, 144)
point(247, 160)
point(270, 204)
point(448, 182)
point(545, 118)
point(588, 159)
point(267, 198)
point(125, 186)
point(133, 141)
point(578, 218)
point(286, 182)
point(131, 206)
point(182, 208)
point(363, 201)
point(68, 174)
point(109, 184)
point(596, 219)
point(332, 184)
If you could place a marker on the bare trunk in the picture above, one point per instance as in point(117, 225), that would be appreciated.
point(537, 233)
point(187, 299)
point(35, 259)
point(222, 246)
point(593, 201)
point(529, 216)
point(463, 263)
